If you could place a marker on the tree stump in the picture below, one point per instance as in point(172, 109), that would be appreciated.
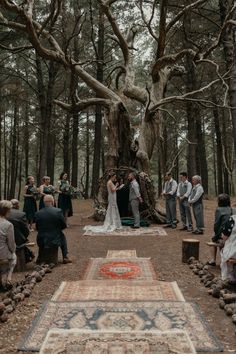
point(49, 255)
point(190, 248)
point(20, 263)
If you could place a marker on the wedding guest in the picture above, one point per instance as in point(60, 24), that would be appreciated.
point(30, 205)
point(183, 192)
point(135, 199)
point(7, 246)
point(21, 229)
point(196, 201)
point(228, 270)
point(169, 192)
point(64, 198)
point(222, 215)
point(46, 189)
point(49, 223)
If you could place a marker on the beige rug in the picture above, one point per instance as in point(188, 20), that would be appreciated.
point(127, 231)
point(75, 341)
point(121, 254)
point(117, 290)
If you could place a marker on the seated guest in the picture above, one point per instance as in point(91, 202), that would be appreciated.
point(21, 229)
point(228, 270)
point(49, 223)
point(222, 214)
point(7, 246)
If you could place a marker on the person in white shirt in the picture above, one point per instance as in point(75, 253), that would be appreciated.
point(183, 192)
point(169, 192)
point(196, 201)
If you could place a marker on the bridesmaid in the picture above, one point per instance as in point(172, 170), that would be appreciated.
point(46, 188)
point(64, 198)
point(30, 205)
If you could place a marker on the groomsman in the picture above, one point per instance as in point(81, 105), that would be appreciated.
point(183, 193)
point(135, 199)
point(169, 192)
point(195, 200)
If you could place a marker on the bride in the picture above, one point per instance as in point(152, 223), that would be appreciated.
point(112, 220)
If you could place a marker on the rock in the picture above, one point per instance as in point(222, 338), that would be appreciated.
point(37, 268)
point(208, 284)
point(228, 298)
point(216, 292)
point(199, 265)
point(2, 308)
point(209, 292)
point(221, 304)
point(4, 317)
point(201, 273)
point(9, 309)
point(47, 270)
point(52, 265)
point(195, 271)
point(26, 292)
point(234, 319)
point(18, 297)
point(7, 301)
point(191, 260)
point(38, 278)
point(205, 267)
point(42, 273)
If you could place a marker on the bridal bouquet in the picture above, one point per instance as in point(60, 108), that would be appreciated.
point(34, 190)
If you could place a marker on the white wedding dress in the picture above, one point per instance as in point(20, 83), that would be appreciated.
point(112, 220)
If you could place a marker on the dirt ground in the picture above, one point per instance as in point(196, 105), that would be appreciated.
point(166, 255)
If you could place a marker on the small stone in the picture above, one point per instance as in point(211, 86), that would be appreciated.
point(216, 292)
point(7, 301)
point(234, 319)
point(2, 308)
point(4, 317)
point(9, 309)
point(221, 304)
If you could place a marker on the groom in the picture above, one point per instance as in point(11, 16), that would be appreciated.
point(134, 199)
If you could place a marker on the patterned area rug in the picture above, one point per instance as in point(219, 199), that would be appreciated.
point(94, 342)
point(127, 231)
point(117, 290)
point(122, 316)
point(110, 268)
point(121, 254)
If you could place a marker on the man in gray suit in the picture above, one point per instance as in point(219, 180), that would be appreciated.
point(49, 223)
point(134, 199)
point(169, 192)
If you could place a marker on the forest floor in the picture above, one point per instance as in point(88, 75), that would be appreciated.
point(165, 253)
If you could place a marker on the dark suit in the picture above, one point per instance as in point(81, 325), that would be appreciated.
point(49, 223)
point(21, 230)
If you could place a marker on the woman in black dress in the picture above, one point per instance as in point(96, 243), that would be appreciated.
point(64, 199)
point(46, 188)
point(30, 205)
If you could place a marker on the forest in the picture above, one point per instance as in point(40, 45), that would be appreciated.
point(87, 86)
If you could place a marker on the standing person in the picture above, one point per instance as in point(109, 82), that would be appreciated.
point(183, 192)
point(196, 201)
point(49, 223)
point(64, 199)
point(30, 205)
point(134, 199)
point(112, 220)
point(46, 189)
point(7, 246)
point(169, 192)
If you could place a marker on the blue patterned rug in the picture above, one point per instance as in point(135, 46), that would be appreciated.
point(122, 316)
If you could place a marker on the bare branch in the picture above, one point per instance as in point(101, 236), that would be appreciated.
point(182, 12)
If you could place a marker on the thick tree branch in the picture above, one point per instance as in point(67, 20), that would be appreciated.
point(83, 104)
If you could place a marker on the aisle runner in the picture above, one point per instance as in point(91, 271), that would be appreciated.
point(127, 231)
point(122, 316)
point(95, 342)
point(120, 268)
point(117, 290)
point(121, 254)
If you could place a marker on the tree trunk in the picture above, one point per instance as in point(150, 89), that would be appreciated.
point(1, 120)
point(66, 145)
point(86, 193)
point(219, 149)
point(13, 160)
point(98, 109)
point(74, 149)
point(26, 140)
point(201, 152)
point(228, 41)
